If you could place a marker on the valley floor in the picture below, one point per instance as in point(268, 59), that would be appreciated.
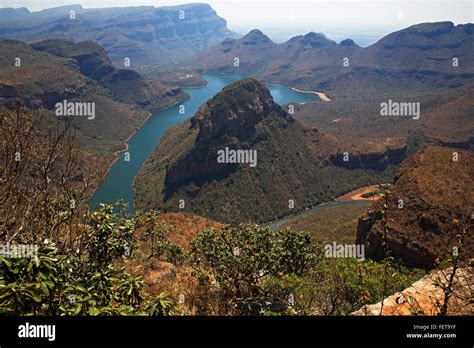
point(331, 221)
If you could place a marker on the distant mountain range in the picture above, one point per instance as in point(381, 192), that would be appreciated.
point(430, 63)
point(145, 34)
point(434, 55)
point(427, 55)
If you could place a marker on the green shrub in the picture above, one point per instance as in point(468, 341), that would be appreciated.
point(238, 259)
point(85, 283)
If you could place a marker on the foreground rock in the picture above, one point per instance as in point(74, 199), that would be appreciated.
point(426, 296)
point(430, 204)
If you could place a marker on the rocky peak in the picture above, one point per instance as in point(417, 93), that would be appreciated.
point(348, 43)
point(313, 35)
point(236, 110)
point(315, 40)
point(255, 37)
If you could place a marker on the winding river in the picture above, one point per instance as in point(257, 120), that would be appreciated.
point(118, 183)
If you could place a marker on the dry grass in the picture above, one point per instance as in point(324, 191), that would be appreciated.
point(190, 297)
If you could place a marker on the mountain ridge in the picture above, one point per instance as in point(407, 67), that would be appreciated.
point(55, 70)
point(147, 35)
point(420, 57)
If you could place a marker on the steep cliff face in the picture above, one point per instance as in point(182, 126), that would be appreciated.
point(391, 152)
point(431, 203)
point(39, 79)
point(145, 34)
point(92, 61)
point(89, 57)
point(194, 19)
point(230, 119)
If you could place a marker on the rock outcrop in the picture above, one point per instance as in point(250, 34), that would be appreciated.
point(127, 85)
point(426, 296)
point(430, 204)
point(236, 110)
point(230, 119)
point(391, 152)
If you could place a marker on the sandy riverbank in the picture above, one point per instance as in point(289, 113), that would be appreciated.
point(356, 195)
point(321, 95)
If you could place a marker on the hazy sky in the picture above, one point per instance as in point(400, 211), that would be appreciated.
point(283, 19)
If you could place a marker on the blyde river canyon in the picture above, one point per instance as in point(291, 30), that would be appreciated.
point(118, 183)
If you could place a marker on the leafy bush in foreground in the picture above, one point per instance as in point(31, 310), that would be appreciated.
point(85, 283)
point(255, 270)
point(238, 259)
